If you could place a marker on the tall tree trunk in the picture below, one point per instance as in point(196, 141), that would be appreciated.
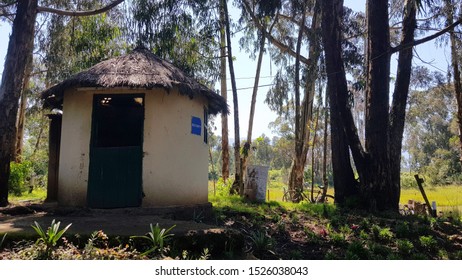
point(341, 121)
point(43, 123)
point(20, 46)
point(304, 118)
point(400, 96)
point(224, 94)
point(312, 152)
point(248, 143)
point(455, 44)
point(325, 181)
point(345, 184)
point(18, 146)
point(376, 173)
point(22, 112)
point(296, 172)
point(238, 185)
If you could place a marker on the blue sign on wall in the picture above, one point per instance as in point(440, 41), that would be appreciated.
point(196, 125)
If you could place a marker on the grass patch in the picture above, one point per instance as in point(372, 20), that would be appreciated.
point(443, 195)
point(37, 195)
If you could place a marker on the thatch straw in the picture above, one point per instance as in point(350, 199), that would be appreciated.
point(138, 69)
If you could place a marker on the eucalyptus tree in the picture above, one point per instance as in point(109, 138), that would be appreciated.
point(21, 118)
point(72, 44)
point(451, 9)
point(224, 93)
point(378, 161)
point(238, 184)
point(429, 133)
point(296, 28)
point(20, 47)
point(190, 34)
point(185, 32)
point(255, 44)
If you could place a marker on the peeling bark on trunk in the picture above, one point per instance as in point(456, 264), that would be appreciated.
point(20, 128)
point(304, 118)
point(296, 173)
point(22, 112)
point(224, 94)
point(19, 48)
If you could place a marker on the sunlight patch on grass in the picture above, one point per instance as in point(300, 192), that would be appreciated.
point(37, 195)
point(274, 192)
point(444, 195)
point(241, 205)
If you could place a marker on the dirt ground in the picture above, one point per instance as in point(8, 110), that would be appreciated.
point(115, 222)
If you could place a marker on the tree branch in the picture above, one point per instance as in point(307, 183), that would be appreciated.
point(426, 39)
point(8, 4)
point(281, 46)
point(306, 30)
point(79, 13)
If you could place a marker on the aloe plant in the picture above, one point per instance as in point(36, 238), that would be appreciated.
point(51, 236)
point(156, 237)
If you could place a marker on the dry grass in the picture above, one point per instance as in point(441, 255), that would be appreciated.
point(447, 196)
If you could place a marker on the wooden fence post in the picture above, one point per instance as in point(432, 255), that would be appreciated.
point(419, 183)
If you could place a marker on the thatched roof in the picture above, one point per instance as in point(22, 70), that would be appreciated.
point(138, 69)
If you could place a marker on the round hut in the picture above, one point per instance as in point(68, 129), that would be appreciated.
point(133, 133)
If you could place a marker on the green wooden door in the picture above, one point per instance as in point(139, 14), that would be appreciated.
point(116, 151)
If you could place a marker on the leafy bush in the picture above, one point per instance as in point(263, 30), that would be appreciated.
point(375, 229)
point(380, 252)
point(357, 251)
point(408, 181)
point(403, 230)
point(443, 168)
point(278, 176)
point(457, 255)
point(223, 187)
point(443, 254)
point(386, 235)
point(19, 175)
point(338, 239)
point(428, 242)
point(275, 175)
point(404, 246)
point(363, 235)
point(382, 234)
